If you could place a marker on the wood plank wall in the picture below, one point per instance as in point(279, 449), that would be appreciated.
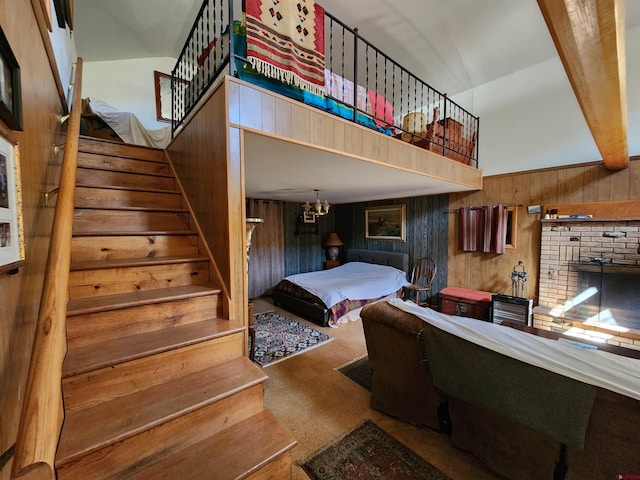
point(426, 230)
point(578, 184)
point(20, 293)
point(206, 154)
point(304, 252)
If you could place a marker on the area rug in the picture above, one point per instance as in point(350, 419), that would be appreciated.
point(285, 41)
point(279, 337)
point(368, 452)
point(359, 371)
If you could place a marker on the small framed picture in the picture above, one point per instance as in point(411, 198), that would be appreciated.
point(11, 230)
point(308, 217)
point(385, 223)
point(10, 93)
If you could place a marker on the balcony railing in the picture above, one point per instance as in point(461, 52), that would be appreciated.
point(362, 83)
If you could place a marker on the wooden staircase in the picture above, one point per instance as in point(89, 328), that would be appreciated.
point(155, 383)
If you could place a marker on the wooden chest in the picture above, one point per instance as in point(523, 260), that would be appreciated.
point(466, 303)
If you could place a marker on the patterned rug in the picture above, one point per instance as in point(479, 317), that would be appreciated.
point(279, 337)
point(285, 41)
point(368, 452)
point(359, 371)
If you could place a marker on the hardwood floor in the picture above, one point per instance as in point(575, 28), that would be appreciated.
point(317, 404)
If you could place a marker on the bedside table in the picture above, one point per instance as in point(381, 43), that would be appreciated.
point(329, 264)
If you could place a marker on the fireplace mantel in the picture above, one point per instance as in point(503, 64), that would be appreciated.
point(601, 211)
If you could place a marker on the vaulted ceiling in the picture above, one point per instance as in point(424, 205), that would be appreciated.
point(538, 107)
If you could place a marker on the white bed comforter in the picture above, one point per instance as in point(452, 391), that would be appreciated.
point(594, 367)
point(353, 281)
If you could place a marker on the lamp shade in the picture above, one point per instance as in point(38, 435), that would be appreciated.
point(333, 240)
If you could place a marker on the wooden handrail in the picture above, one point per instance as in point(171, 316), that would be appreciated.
point(43, 412)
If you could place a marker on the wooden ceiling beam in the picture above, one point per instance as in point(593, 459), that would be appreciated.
point(589, 36)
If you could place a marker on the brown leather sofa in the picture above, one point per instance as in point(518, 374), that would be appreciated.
point(403, 387)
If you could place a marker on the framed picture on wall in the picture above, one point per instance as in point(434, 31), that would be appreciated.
point(11, 231)
point(385, 223)
point(10, 93)
point(162, 82)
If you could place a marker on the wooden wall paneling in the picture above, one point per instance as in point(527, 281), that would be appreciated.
point(338, 136)
point(304, 252)
point(237, 227)
point(604, 185)
point(300, 121)
point(620, 184)
point(40, 169)
point(588, 183)
point(590, 186)
point(269, 114)
point(283, 118)
point(251, 107)
point(634, 179)
point(199, 152)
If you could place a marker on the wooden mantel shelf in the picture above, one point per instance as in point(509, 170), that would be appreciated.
point(580, 220)
point(628, 210)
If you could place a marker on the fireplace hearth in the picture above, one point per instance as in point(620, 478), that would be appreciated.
point(590, 279)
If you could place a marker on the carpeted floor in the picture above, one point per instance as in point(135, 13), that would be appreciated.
point(279, 337)
point(359, 371)
point(368, 452)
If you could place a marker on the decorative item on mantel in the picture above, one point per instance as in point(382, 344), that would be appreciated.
point(333, 244)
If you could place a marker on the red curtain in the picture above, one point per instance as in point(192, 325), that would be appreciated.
point(483, 228)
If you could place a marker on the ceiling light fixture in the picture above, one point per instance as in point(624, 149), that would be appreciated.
point(318, 208)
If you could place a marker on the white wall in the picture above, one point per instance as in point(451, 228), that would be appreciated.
point(64, 51)
point(531, 118)
point(127, 85)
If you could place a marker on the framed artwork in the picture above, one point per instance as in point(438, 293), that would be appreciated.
point(11, 231)
point(162, 83)
point(308, 217)
point(10, 93)
point(385, 223)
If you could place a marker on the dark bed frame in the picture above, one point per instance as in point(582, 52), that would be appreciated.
point(318, 312)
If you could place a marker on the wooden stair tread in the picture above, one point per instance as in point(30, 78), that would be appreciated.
point(134, 209)
point(134, 262)
point(122, 170)
point(102, 425)
point(119, 149)
point(233, 453)
point(115, 351)
point(128, 189)
point(81, 306)
point(112, 233)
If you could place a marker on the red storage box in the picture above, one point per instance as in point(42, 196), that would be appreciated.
point(466, 303)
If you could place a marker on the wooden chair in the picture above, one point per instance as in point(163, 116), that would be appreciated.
point(422, 275)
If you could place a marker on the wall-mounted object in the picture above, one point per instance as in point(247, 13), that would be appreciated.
point(10, 90)
point(386, 223)
point(11, 229)
point(305, 228)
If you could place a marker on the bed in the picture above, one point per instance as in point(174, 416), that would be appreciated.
point(327, 297)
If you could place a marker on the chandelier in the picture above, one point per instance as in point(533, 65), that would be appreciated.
point(318, 208)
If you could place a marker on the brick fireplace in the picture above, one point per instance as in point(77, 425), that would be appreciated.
point(590, 280)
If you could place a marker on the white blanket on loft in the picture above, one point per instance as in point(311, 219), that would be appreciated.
point(128, 127)
point(594, 367)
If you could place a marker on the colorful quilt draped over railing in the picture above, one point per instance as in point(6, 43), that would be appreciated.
point(483, 228)
point(285, 41)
